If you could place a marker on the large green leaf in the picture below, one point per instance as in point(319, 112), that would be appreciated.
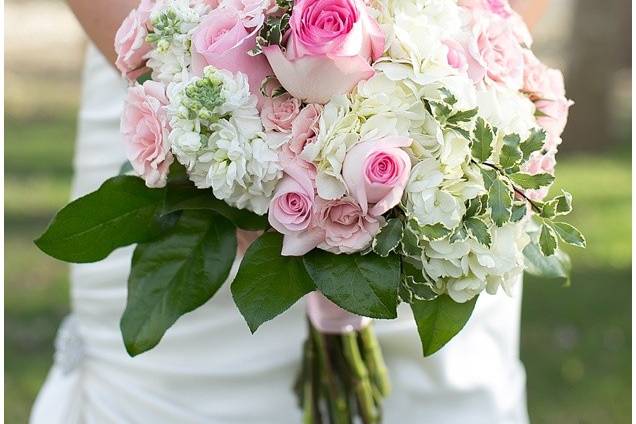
point(267, 283)
point(183, 195)
point(175, 275)
point(556, 266)
point(366, 285)
point(439, 320)
point(121, 212)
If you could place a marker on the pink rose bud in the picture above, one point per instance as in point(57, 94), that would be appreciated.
point(292, 212)
point(222, 40)
point(348, 229)
point(329, 318)
point(130, 41)
point(278, 113)
point(376, 173)
point(330, 44)
point(144, 125)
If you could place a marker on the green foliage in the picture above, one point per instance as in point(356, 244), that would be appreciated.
point(414, 285)
point(479, 231)
point(483, 137)
point(183, 195)
point(500, 202)
point(462, 116)
point(366, 285)
point(175, 275)
point(533, 143)
point(121, 212)
point(439, 320)
point(547, 240)
point(511, 153)
point(528, 181)
point(389, 237)
point(267, 283)
point(431, 232)
point(556, 266)
point(568, 234)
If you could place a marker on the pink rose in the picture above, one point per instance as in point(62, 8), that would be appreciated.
point(292, 212)
point(221, 40)
point(456, 55)
point(496, 49)
point(130, 41)
point(329, 46)
point(305, 128)
point(347, 228)
point(279, 112)
point(144, 125)
point(498, 7)
point(376, 173)
point(553, 115)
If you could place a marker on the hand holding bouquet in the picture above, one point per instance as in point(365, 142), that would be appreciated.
point(387, 151)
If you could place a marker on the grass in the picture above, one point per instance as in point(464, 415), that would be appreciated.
point(575, 341)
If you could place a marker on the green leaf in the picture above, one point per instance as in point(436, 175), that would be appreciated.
point(414, 285)
point(460, 233)
point(267, 283)
point(533, 143)
point(561, 205)
point(500, 202)
point(183, 195)
point(528, 181)
point(462, 116)
point(175, 275)
point(557, 266)
point(389, 237)
point(410, 241)
point(547, 240)
point(366, 285)
point(482, 140)
point(449, 98)
point(511, 153)
point(121, 212)
point(145, 77)
point(568, 234)
point(489, 176)
point(473, 207)
point(519, 210)
point(432, 232)
point(479, 230)
point(439, 320)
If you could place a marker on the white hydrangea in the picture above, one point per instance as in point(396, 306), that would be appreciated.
point(463, 269)
point(416, 29)
point(171, 58)
point(217, 134)
point(339, 130)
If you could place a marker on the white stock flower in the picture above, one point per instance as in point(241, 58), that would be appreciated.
point(217, 134)
point(338, 132)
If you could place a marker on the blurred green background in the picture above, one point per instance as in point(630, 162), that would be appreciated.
point(575, 342)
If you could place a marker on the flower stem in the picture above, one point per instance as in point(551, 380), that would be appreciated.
point(375, 361)
point(362, 386)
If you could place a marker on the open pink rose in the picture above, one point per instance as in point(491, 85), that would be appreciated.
point(278, 113)
point(305, 128)
point(144, 125)
point(498, 7)
point(329, 46)
point(222, 40)
point(130, 41)
point(497, 50)
point(292, 212)
point(376, 173)
point(553, 115)
point(347, 228)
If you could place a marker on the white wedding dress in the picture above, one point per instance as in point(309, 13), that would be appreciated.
point(209, 368)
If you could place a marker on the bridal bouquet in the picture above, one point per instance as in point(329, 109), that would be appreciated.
point(386, 151)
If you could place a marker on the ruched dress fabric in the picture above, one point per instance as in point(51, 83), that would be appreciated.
point(209, 368)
